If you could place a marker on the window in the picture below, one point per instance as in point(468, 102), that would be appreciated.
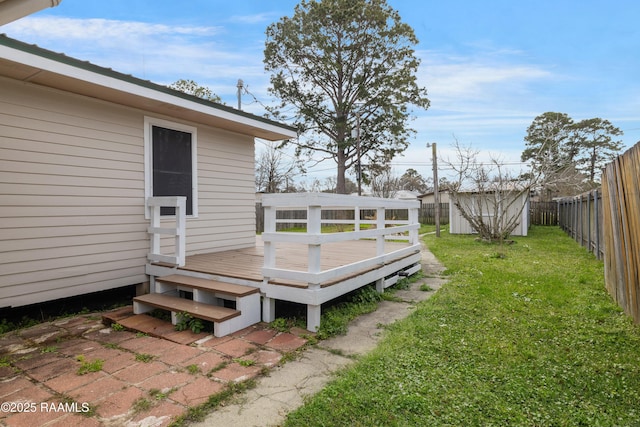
point(170, 163)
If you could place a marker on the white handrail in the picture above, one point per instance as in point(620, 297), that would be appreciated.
point(314, 204)
point(178, 232)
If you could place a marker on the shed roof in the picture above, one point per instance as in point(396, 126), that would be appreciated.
point(491, 187)
point(33, 64)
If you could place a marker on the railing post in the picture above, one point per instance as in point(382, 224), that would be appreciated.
point(269, 223)
point(269, 247)
point(380, 225)
point(154, 239)
point(180, 242)
point(413, 219)
point(314, 226)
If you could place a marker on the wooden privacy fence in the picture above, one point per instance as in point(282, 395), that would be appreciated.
point(427, 213)
point(581, 217)
point(621, 222)
point(543, 213)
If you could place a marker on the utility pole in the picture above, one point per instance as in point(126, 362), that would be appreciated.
point(240, 85)
point(359, 160)
point(436, 194)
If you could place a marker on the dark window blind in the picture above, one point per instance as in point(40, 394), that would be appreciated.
point(172, 166)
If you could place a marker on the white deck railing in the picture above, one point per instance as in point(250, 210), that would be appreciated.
point(177, 232)
point(314, 204)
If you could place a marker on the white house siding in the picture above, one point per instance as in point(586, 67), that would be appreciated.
point(72, 194)
point(459, 225)
point(226, 192)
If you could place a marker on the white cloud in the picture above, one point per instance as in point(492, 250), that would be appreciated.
point(471, 83)
point(253, 19)
point(101, 30)
point(157, 52)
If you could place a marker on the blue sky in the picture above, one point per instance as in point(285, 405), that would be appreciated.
point(490, 67)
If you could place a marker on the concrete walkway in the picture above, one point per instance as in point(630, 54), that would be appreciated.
point(286, 386)
point(150, 377)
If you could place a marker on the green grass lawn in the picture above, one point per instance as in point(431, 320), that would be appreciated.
point(531, 339)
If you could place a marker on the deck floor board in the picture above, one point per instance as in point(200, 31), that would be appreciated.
point(247, 263)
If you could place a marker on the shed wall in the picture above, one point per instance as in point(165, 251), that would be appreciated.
point(459, 225)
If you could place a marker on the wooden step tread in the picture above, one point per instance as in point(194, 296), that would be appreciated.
point(208, 285)
point(200, 310)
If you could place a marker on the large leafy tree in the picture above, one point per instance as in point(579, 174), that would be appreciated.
point(411, 180)
point(595, 138)
point(193, 88)
point(546, 140)
point(348, 67)
point(567, 155)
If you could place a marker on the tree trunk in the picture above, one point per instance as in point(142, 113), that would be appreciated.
point(592, 165)
point(341, 187)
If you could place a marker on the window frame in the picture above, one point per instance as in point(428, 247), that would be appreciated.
point(149, 122)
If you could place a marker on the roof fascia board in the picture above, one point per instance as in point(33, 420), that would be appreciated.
point(137, 87)
point(12, 10)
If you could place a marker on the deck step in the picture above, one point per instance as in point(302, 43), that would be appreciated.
point(208, 285)
point(203, 311)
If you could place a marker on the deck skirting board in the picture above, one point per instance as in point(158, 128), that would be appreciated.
point(322, 295)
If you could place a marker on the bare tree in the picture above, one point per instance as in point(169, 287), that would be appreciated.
point(488, 195)
point(384, 183)
point(274, 172)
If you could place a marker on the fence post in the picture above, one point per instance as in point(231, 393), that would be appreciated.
point(597, 213)
point(589, 219)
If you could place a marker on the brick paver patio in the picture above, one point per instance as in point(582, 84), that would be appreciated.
point(146, 375)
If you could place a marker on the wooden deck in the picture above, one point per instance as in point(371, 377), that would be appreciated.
point(246, 264)
point(309, 268)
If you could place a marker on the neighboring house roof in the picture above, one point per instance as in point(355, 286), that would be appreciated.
point(430, 193)
point(30, 63)
point(12, 10)
point(490, 187)
point(406, 195)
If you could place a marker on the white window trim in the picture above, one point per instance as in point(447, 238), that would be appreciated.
point(149, 122)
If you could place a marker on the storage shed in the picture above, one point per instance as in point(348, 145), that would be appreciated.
point(514, 204)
